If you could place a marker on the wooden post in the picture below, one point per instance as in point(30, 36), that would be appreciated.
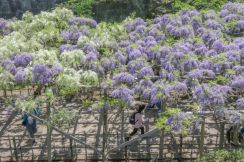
point(105, 134)
point(122, 126)
point(85, 147)
point(222, 135)
point(5, 92)
point(10, 146)
point(71, 149)
point(181, 144)
point(49, 136)
point(15, 150)
point(161, 145)
point(202, 137)
point(126, 154)
point(123, 132)
point(20, 149)
point(148, 141)
point(235, 135)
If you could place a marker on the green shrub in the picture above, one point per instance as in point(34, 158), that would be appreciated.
point(80, 7)
point(223, 156)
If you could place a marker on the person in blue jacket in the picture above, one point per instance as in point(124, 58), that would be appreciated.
point(159, 106)
point(241, 135)
point(30, 123)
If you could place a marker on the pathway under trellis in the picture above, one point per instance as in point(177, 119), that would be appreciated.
point(81, 143)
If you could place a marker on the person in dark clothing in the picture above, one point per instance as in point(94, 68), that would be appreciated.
point(229, 134)
point(241, 135)
point(138, 121)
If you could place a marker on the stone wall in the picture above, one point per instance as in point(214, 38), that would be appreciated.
point(119, 10)
point(15, 8)
point(111, 10)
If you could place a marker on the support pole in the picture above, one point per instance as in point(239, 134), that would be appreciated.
point(148, 141)
point(71, 149)
point(222, 135)
point(202, 137)
point(105, 134)
point(49, 136)
point(15, 150)
point(161, 145)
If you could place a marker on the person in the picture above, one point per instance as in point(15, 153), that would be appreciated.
point(229, 134)
point(138, 123)
point(241, 135)
point(30, 123)
point(159, 106)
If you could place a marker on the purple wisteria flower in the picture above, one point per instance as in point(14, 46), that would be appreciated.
point(9, 66)
point(124, 77)
point(164, 52)
point(82, 21)
point(124, 94)
point(146, 83)
point(67, 47)
point(201, 51)
point(211, 96)
point(57, 69)
point(135, 53)
point(231, 47)
point(238, 83)
point(42, 74)
point(20, 76)
point(124, 43)
point(135, 65)
point(240, 103)
point(166, 75)
point(146, 71)
point(120, 57)
point(166, 65)
point(185, 32)
point(169, 120)
point(234, 56)
point(91, 56)
point(213, 24)
point(2, 23)
point(218, 46)
point(131, 26)
point(4, 29)
point(180, 87)
point(107, 64)
point(239, 69)
point(22, 60)
point(163, 20)
point(74, 33)
point(191, 63)
point(206, 64)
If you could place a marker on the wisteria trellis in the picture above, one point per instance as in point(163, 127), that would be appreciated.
point(189, 55)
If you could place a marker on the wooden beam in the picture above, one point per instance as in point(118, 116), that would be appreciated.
point(67, 135)
point(147, 134)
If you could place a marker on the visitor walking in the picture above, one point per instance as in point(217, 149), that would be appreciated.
point(240, 135)
point(136, 121)
point(30, 123)
point(159, 105)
